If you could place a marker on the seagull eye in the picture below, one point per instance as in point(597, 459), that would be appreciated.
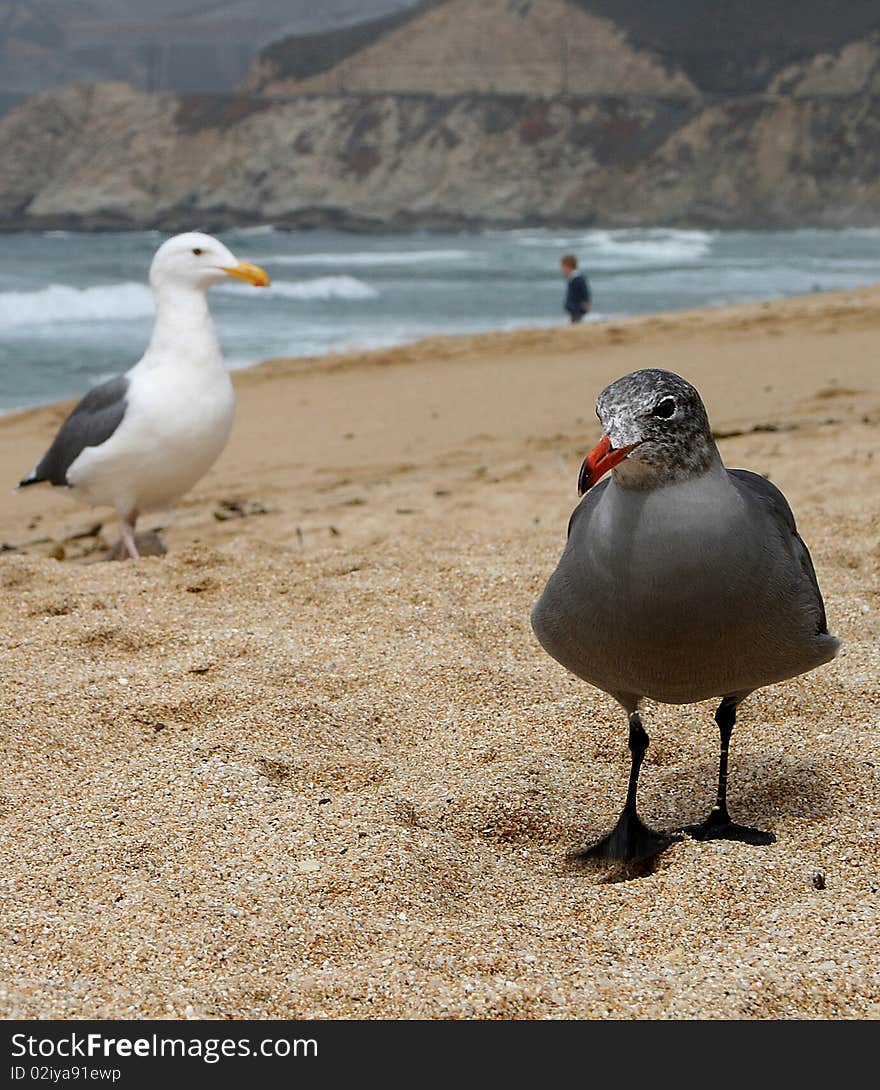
point(665, 408)
point(197, 251)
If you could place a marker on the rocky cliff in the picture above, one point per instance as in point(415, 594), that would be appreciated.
point(463, 47)
point(631, 137)
point(548, 47)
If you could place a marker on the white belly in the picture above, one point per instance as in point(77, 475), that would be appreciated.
point(176, 425)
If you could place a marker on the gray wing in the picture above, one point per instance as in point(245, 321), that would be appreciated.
point(90, 424)
point(769, 495)
point(550, 620)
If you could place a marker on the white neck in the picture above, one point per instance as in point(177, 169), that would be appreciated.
point(183, 329)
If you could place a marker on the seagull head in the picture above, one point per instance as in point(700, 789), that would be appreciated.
point(197, 261)
point(655, 431)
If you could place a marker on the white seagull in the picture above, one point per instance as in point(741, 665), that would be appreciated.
point(681, 580)
point(139, 441)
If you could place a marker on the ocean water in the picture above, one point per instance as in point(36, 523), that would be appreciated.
point(75, 308)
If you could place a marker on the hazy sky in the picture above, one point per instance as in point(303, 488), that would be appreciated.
point(187, 45)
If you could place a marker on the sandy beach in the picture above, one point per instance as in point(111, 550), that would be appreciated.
point(312, 763)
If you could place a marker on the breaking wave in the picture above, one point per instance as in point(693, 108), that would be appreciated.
point(627, 246)
point(656, 246)
point(372, 257)
point(62, 303)
point(323, 287)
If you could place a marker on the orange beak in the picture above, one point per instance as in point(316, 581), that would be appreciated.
point(252, 274)
point(597, 463)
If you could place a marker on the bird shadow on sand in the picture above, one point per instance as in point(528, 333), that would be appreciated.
point(772, 793)
point(768, 789)
point(149, 543)
point(88, 545)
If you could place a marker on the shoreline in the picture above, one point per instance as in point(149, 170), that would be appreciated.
point(849, 304)
point(336, 219)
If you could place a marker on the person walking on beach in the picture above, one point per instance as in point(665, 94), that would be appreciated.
point(577, 295)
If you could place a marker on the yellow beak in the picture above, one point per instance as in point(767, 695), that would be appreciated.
point(253, 274)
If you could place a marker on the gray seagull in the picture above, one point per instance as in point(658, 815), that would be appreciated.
point(681, 581)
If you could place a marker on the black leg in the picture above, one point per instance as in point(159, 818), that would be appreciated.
point(630, 839)
point(718, 825)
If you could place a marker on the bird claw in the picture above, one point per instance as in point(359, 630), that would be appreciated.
point(722, 828)
point(629, 841)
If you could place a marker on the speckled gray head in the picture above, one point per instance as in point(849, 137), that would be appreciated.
point(656, 432)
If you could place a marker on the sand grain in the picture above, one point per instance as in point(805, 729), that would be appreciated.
point(313, 763)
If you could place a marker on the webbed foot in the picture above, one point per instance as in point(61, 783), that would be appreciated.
point(629, 841)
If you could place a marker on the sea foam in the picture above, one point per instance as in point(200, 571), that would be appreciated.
point(372, 257)
point(323, 287)
point(62, 303)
